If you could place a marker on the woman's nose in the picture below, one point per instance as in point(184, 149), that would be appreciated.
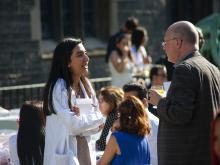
point(86, 58)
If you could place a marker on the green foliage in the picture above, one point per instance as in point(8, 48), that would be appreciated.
point(211, 30)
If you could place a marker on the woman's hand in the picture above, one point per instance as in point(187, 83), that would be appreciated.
point(101, 127)
point(75, 109)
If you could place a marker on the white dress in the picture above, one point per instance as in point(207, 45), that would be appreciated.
point(66, 124)
point(121, 78)
point(139, 57)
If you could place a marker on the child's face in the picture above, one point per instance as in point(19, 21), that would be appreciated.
point(217, 138)
point(124, 44)
point(103, 106)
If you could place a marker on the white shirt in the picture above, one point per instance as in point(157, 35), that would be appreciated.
point(121, 78)
point(66, 124)
point(13, 150)
point(152, 138)
point(139, 56)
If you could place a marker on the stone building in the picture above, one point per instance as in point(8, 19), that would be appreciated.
point(30, 29)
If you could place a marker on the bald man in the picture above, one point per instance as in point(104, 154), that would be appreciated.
point(191, 102)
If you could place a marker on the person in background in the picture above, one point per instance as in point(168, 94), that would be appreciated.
point(109, 99)
point(130, 24)
point(128, 145)
point(169, 66)
point(139, 91)
point(139, 38)
point(201, 38)
point(215, 140)
point(193, 98)
point(121, 62)
point(71, 107)
point(27, 146)
point(158, 75)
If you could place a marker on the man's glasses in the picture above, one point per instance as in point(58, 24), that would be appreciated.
point(163, 44)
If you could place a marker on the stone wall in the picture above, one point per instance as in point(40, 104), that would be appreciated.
point(19, 54)
point(151, 15)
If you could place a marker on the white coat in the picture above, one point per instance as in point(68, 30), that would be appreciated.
point(66, 125)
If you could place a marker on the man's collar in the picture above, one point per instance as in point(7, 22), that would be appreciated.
point(189, 55)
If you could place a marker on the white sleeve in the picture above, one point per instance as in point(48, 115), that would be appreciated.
point(13, 150)
point(76, 124)
point(143, 50)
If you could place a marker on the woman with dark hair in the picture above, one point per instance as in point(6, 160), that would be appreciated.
point(109, 99)
point(121, 62)
point(71, 107)
point(139, 38)
point(27, 147)
point(129, 145)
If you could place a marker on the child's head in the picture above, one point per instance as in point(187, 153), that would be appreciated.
point(139, 37)
point(133, 117)
point(109, 99)
point(123, 42)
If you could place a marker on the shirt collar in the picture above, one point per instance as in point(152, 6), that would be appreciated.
point(184, 58)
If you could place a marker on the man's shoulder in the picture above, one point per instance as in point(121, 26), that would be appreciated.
point(198, 62)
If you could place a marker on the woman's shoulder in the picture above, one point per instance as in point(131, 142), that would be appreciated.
point(114, 54)
point(119, 134)
point(60, 83)
point(122, 134)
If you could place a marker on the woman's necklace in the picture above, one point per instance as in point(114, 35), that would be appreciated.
point(78, 93)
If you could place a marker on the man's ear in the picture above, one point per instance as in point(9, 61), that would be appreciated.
point(145, 102)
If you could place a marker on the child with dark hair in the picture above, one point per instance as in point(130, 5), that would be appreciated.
point(27, 147)
point(109, 100)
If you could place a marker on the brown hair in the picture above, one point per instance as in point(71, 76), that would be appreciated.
point(113, 96)
point(133, 117)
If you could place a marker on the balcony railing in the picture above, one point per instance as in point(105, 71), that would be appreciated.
point(14, 96)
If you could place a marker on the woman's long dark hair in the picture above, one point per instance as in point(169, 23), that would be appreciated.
point(118, 40)
point(59, 69)
point(138, 36)
point(30, 138)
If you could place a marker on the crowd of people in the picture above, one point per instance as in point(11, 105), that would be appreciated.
point(138, 124)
